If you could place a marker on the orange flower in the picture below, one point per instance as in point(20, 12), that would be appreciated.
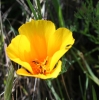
point(38, 48)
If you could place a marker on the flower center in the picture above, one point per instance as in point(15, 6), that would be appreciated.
point(40, 67)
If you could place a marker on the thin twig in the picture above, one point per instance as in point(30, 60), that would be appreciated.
point(34, 89)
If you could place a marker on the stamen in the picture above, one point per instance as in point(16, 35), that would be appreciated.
point(41, 65)
point(36, 62)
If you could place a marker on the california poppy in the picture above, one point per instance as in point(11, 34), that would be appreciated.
point(39, 47)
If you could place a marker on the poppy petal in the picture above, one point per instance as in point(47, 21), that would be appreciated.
point(59, 40)
point(60, 43)
point(38, 32)
point(53, 74)
point(19, 50)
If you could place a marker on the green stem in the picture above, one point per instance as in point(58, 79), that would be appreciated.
point(59, 12)
point(52, 90)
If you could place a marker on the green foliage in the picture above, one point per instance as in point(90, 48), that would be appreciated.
point(90, 17)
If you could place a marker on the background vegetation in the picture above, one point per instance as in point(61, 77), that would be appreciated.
point(79, 79)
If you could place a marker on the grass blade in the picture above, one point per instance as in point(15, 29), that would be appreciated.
point(94, 93)
point(59, 12)
point(52, 90)
point(9, 84)
point(32, 8)
point(39, 9)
